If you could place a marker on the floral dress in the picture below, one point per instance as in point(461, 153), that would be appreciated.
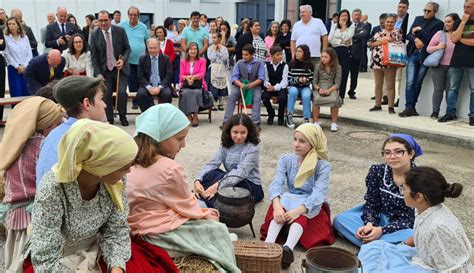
point(377, 51)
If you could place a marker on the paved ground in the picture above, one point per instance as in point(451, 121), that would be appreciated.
point(352, 150)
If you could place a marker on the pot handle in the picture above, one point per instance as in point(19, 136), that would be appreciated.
point(303, 265)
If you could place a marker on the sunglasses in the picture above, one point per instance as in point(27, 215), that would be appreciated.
point(427, 11)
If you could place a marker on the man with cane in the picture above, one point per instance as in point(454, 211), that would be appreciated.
point(110, 51)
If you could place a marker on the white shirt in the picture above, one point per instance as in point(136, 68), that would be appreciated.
point(337, 37)
point(17, 52)
point(284, 79)
point(84, 63)
point(309, 34)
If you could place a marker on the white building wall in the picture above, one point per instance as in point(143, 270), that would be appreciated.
point(373, 8)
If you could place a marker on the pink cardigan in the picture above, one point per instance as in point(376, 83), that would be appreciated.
point(448, 51)
point(160, 199)
point(199, 70)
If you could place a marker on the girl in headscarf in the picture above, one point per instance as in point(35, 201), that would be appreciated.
point(163, 211)
point(27, 125)
point(80, 211)
point(304, 205)
point(384, 216)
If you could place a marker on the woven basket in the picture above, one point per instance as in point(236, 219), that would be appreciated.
point(253, 256)
point(192, 264)
point(2, 194)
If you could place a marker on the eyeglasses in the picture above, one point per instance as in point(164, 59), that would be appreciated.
point(396, 153)
point(428, 11)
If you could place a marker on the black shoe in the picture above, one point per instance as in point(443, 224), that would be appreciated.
point(434, 115)
point(352, 96)
point(408, 112)
point(287, 258)
point(375, 108)
point(471, 121)
point(281, 121)
point(384, 100)
point(220, 108)
point(449, 117)
point(111, 121)
point(270, 120)
point(214, 108)
point(134, 106)
point(124, 121)
point(396, 103)
point(363, 70)
point(391, 110)
point(372, 98)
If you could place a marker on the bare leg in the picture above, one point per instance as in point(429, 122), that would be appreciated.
point(316, 111)
point(334, 114)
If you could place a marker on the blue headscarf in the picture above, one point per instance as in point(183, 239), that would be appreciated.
point(161, 122)
point(414, 145)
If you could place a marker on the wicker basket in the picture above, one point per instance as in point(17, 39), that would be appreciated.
point(192, 264)
point(2, 194)
point(253, 256)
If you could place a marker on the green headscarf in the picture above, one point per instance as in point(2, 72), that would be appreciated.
point(161, 122)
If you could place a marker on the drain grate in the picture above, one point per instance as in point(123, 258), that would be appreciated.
point(367, 135)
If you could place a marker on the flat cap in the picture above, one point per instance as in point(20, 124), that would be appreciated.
point(70, 90)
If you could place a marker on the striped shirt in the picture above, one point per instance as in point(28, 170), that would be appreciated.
point(295, 73)
point(20, 183)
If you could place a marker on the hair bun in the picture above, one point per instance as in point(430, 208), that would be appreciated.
point(453, 190)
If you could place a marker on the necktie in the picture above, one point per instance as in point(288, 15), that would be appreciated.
point(155, 78)
point(51, 72)
point(63, 29)
point(108, 49)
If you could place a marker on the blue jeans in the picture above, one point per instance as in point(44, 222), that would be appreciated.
point(305, 93)
point(416, 72)
point(455, 75)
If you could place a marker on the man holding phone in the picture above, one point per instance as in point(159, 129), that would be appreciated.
point(59, 33)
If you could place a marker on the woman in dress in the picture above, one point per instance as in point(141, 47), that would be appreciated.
point(384, 216)
point(192, 77)
point(239, 154)
point(78, 58)
point(340, 38)
point(27, 125)
point(272, 33)
point(326, 81)
point(80, 211)
point(439, 243)
point(299, 194)
point(163, 211)
point(219, 62)
point(17, 54)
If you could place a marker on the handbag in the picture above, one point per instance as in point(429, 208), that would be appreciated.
point(207, 99)
point(394, 54)
point(434, 58)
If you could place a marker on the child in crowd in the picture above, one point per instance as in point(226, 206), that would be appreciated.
point(300, 78)
point(163, 211)
point(440, 241)
point(249, 73)
point(384, 216)
point(304, 205)
point(219, 58)
point(239, 153)
point(27, 125)
point(326, 81)
point(276, 82)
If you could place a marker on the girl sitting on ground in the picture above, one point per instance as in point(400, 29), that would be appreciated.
point(440, 241)
point(163, 211)
point(384, 215)
point(303, 206)
point(239, 153)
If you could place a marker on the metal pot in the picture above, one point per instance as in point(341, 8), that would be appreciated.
point(328, 259)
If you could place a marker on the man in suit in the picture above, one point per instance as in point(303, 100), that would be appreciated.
point(381, 25)
point(110, 51)
point(154, 76)
point(29, 33)
point(361, 34)
point(402, 17)
point(43, 69)
point(334, 20)
point(365, 60)
point(58, 34)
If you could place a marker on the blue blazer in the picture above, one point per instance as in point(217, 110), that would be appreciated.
point(37, 73)
point(428, 29)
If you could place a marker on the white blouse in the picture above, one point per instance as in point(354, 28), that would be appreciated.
point(17, 52)
point(337, 37)
point(440, 241)
point(84, 63)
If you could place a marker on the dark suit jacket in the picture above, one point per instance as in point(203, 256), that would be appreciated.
point(428, 29)
point(405, 27)
point(37, 73)
point(361, 35)
point(375, 30)
point(53, 32)
point(99, 53)
point(32, 39)
point(2, 47)
point(164, 67)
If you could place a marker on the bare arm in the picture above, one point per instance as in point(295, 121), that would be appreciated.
point(293, 49)
point(456, 35)
point(325, 42)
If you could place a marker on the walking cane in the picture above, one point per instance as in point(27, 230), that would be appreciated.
point(117, 88)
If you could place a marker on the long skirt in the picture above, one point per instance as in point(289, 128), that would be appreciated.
point(190, 100)
point(317, 231)
point(16, 240)
point(17, 83)
point(349, 221)
point(206, 238)
point(145, 258)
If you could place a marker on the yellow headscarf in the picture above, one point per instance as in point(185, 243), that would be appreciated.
point(97, 148)
point(31, 115)
point(315, 135)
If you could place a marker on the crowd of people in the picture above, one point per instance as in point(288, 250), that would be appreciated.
point(83, 195)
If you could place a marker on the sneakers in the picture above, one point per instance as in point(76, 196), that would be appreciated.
point(448, 117)
point(317, 123)
point(233, 237)
point(333, 127)
point(289, 121)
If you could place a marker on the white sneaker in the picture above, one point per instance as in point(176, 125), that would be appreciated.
point(333, 127)
point(289, 121)
point(317, 123)
point(233, 237)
